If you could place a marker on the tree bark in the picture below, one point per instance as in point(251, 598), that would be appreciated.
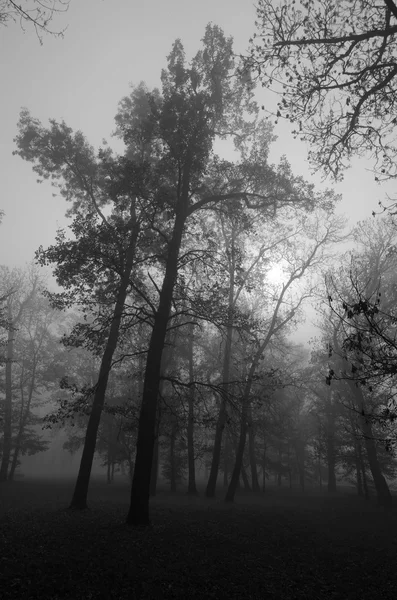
point(79, 499)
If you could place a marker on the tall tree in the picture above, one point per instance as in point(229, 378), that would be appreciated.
point(316, 253)
point(95, 267)
point(19, 289)
point(200, 102)
point(334, 66)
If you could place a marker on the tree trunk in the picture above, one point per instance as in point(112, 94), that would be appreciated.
point(246, 481)
point(252, 455)
point(220, 425)
point(79, 499)
point(361, 465)
point(155, 465)
point(172, 460)
point(280, 464)
point(330, 441)
point(156, 450)
point(222, 416)
point(7, 421)
point(226, 450)
point(359, 482)
point(264, 467)
point(191, 488)
point(241, 443)
point(246, 400)
point(138, 513)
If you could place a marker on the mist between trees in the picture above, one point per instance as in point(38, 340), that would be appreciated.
point(168, 353)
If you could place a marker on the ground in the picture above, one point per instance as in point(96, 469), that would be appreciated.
point(273, 546)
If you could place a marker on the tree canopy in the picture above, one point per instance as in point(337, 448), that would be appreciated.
point(334, 66)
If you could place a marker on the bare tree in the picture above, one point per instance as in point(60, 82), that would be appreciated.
point(35, 13)
point(334, 66)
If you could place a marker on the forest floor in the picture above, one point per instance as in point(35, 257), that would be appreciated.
point(273, 546)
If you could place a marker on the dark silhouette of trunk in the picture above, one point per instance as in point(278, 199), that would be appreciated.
point(226, 459)
point(362, 469)
point(359, 480)
point(109, 457)
point(155, 464)
point(79, 499)
point(241, 443)
point(319, 468)
point(330, 444)
point(279, 465)
point(191, 489)
point(222, 417)
point(252, 456)
point(301, 459)
point(245, 479)
point(7, 419)
point(156, 449)
point(173, 459)
point(384, 496)
point(264, 467)
point(357, 456)
point(138, 513)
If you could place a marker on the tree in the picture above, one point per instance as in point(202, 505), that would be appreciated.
point(355, 347)
point(19, 289)
point(95, 267)
point(34, 346)
point(283, 312)
point(334, 66)
point(199, 103)
point(37, 13)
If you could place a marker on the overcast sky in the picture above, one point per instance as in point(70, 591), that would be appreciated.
point(81, 78)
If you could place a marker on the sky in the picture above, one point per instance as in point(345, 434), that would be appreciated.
point(81, 77)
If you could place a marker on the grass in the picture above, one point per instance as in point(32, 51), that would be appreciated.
point(273, 546)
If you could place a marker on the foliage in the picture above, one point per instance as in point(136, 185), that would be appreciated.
point(333, 64)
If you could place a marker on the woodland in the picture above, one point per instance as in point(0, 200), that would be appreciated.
point(234, 461)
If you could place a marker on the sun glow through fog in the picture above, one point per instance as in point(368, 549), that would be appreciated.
point(276, 274)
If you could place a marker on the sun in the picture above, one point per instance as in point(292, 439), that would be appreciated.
point(275, 274)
